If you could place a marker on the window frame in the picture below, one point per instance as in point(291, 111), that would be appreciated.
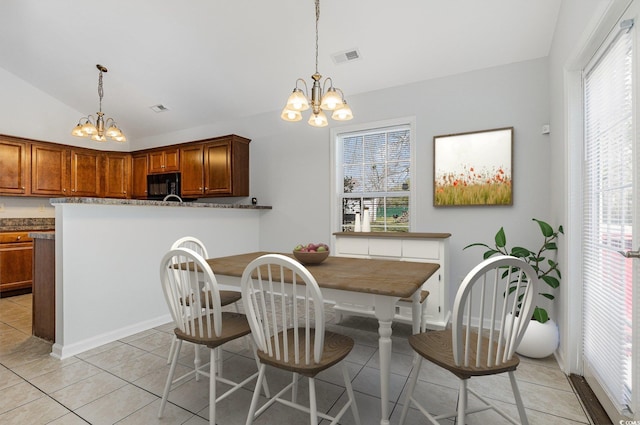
point(337, 184)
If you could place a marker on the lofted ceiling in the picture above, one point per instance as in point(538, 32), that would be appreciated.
point(212, 61)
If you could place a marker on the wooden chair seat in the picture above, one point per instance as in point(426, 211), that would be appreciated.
point(336, 348)
point(226, 298)
point(234, 326)
point(437, 347)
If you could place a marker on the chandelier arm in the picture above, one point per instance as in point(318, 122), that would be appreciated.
point(324, 84)
point(306, 88)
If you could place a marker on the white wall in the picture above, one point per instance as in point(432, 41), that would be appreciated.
point(107, 284)
point(290, 161)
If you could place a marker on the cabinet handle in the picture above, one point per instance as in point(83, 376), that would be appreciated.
point(19, 237)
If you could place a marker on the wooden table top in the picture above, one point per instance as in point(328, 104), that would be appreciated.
point(381, 277)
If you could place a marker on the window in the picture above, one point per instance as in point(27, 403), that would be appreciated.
point(373, 169)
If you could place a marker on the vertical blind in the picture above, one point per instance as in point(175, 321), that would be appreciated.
point(608, 218)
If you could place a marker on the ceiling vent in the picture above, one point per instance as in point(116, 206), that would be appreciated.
point(159, 108)
point(346, 56)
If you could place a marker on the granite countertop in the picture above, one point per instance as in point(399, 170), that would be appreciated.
point(141, 202)
point(19, 224)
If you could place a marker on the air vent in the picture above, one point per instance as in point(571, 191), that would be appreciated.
point(159, 108)
point(346, 56)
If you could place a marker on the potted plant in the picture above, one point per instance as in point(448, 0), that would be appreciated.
point(548, 272)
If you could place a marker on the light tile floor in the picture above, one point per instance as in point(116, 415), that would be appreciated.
point(121, 382)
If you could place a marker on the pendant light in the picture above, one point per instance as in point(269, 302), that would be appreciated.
point(331, 100)
point(96, 131)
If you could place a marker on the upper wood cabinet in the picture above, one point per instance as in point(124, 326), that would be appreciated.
point(209, 168)
point(192, 170)
point(117, 175)
point(86, 168)
point(14, 166)
point(226, 166)
point(49, 170)
point(164, 161)
point(140, 165)
point(215, 167)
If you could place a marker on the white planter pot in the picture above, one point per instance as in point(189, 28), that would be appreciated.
point(540, 339)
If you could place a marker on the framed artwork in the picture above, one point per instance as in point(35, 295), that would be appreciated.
point(473, 169)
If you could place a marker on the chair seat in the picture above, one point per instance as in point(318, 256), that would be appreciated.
point(336, 348)
point(229, 297)
point(226, 298)
point(437, 347)
point(234, 325)
point(423, 296)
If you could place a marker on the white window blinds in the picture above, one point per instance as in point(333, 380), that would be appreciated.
point(608, 218)
point(374, 169)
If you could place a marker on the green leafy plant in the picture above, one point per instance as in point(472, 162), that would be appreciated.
point(546, 268)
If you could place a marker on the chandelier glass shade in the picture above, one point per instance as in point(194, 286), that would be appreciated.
point(98, 128)
point(322, 99)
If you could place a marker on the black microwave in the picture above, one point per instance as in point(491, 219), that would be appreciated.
point(161, 185)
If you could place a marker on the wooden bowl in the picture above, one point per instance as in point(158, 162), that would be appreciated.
point(307, 258)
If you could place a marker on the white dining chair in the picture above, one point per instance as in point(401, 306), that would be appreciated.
point(291, 335)
point(226, 297)
point(491, 312)
point(199, 320)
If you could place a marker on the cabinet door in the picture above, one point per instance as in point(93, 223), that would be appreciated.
point(85, 173)
point(191, 168)
point(13, 163)
point(139, 180)
point(164, 161)
point(49, 170)
point(217, 170)
point(117, 172)
point(16, 266)
point(172, 160)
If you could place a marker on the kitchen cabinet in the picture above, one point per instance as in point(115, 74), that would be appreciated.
point(49, 170)
point(403, 246)
point(13, 163)
point(226, 166)
point(192, 170)
point(44, 288)
point(140, 165)
point(117, 180)
point(164, 161)
point(86, 167)
point(215, 167)
point(16, 252)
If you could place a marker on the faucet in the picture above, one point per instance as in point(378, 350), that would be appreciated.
point(173, 195)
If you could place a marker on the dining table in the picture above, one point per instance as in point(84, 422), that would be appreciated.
point(371, 282)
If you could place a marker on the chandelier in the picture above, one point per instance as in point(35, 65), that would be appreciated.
point(96, 130)
point(331, 100)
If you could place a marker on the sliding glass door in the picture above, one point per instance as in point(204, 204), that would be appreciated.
point(610, 220)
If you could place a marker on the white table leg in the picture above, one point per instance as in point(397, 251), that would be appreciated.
point(385, 309)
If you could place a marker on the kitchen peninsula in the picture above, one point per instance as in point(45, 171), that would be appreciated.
point(107, 261)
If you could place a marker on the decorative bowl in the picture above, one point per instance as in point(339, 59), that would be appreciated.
point(307, 258)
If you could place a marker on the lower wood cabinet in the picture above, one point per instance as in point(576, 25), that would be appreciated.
point(16, 252)
point(44, 288)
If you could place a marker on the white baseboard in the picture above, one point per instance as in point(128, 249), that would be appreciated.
point(63, 351)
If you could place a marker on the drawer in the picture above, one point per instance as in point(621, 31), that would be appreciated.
point(428, 250)
point(352, 246)
point(385, 247)
point(14, 237)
